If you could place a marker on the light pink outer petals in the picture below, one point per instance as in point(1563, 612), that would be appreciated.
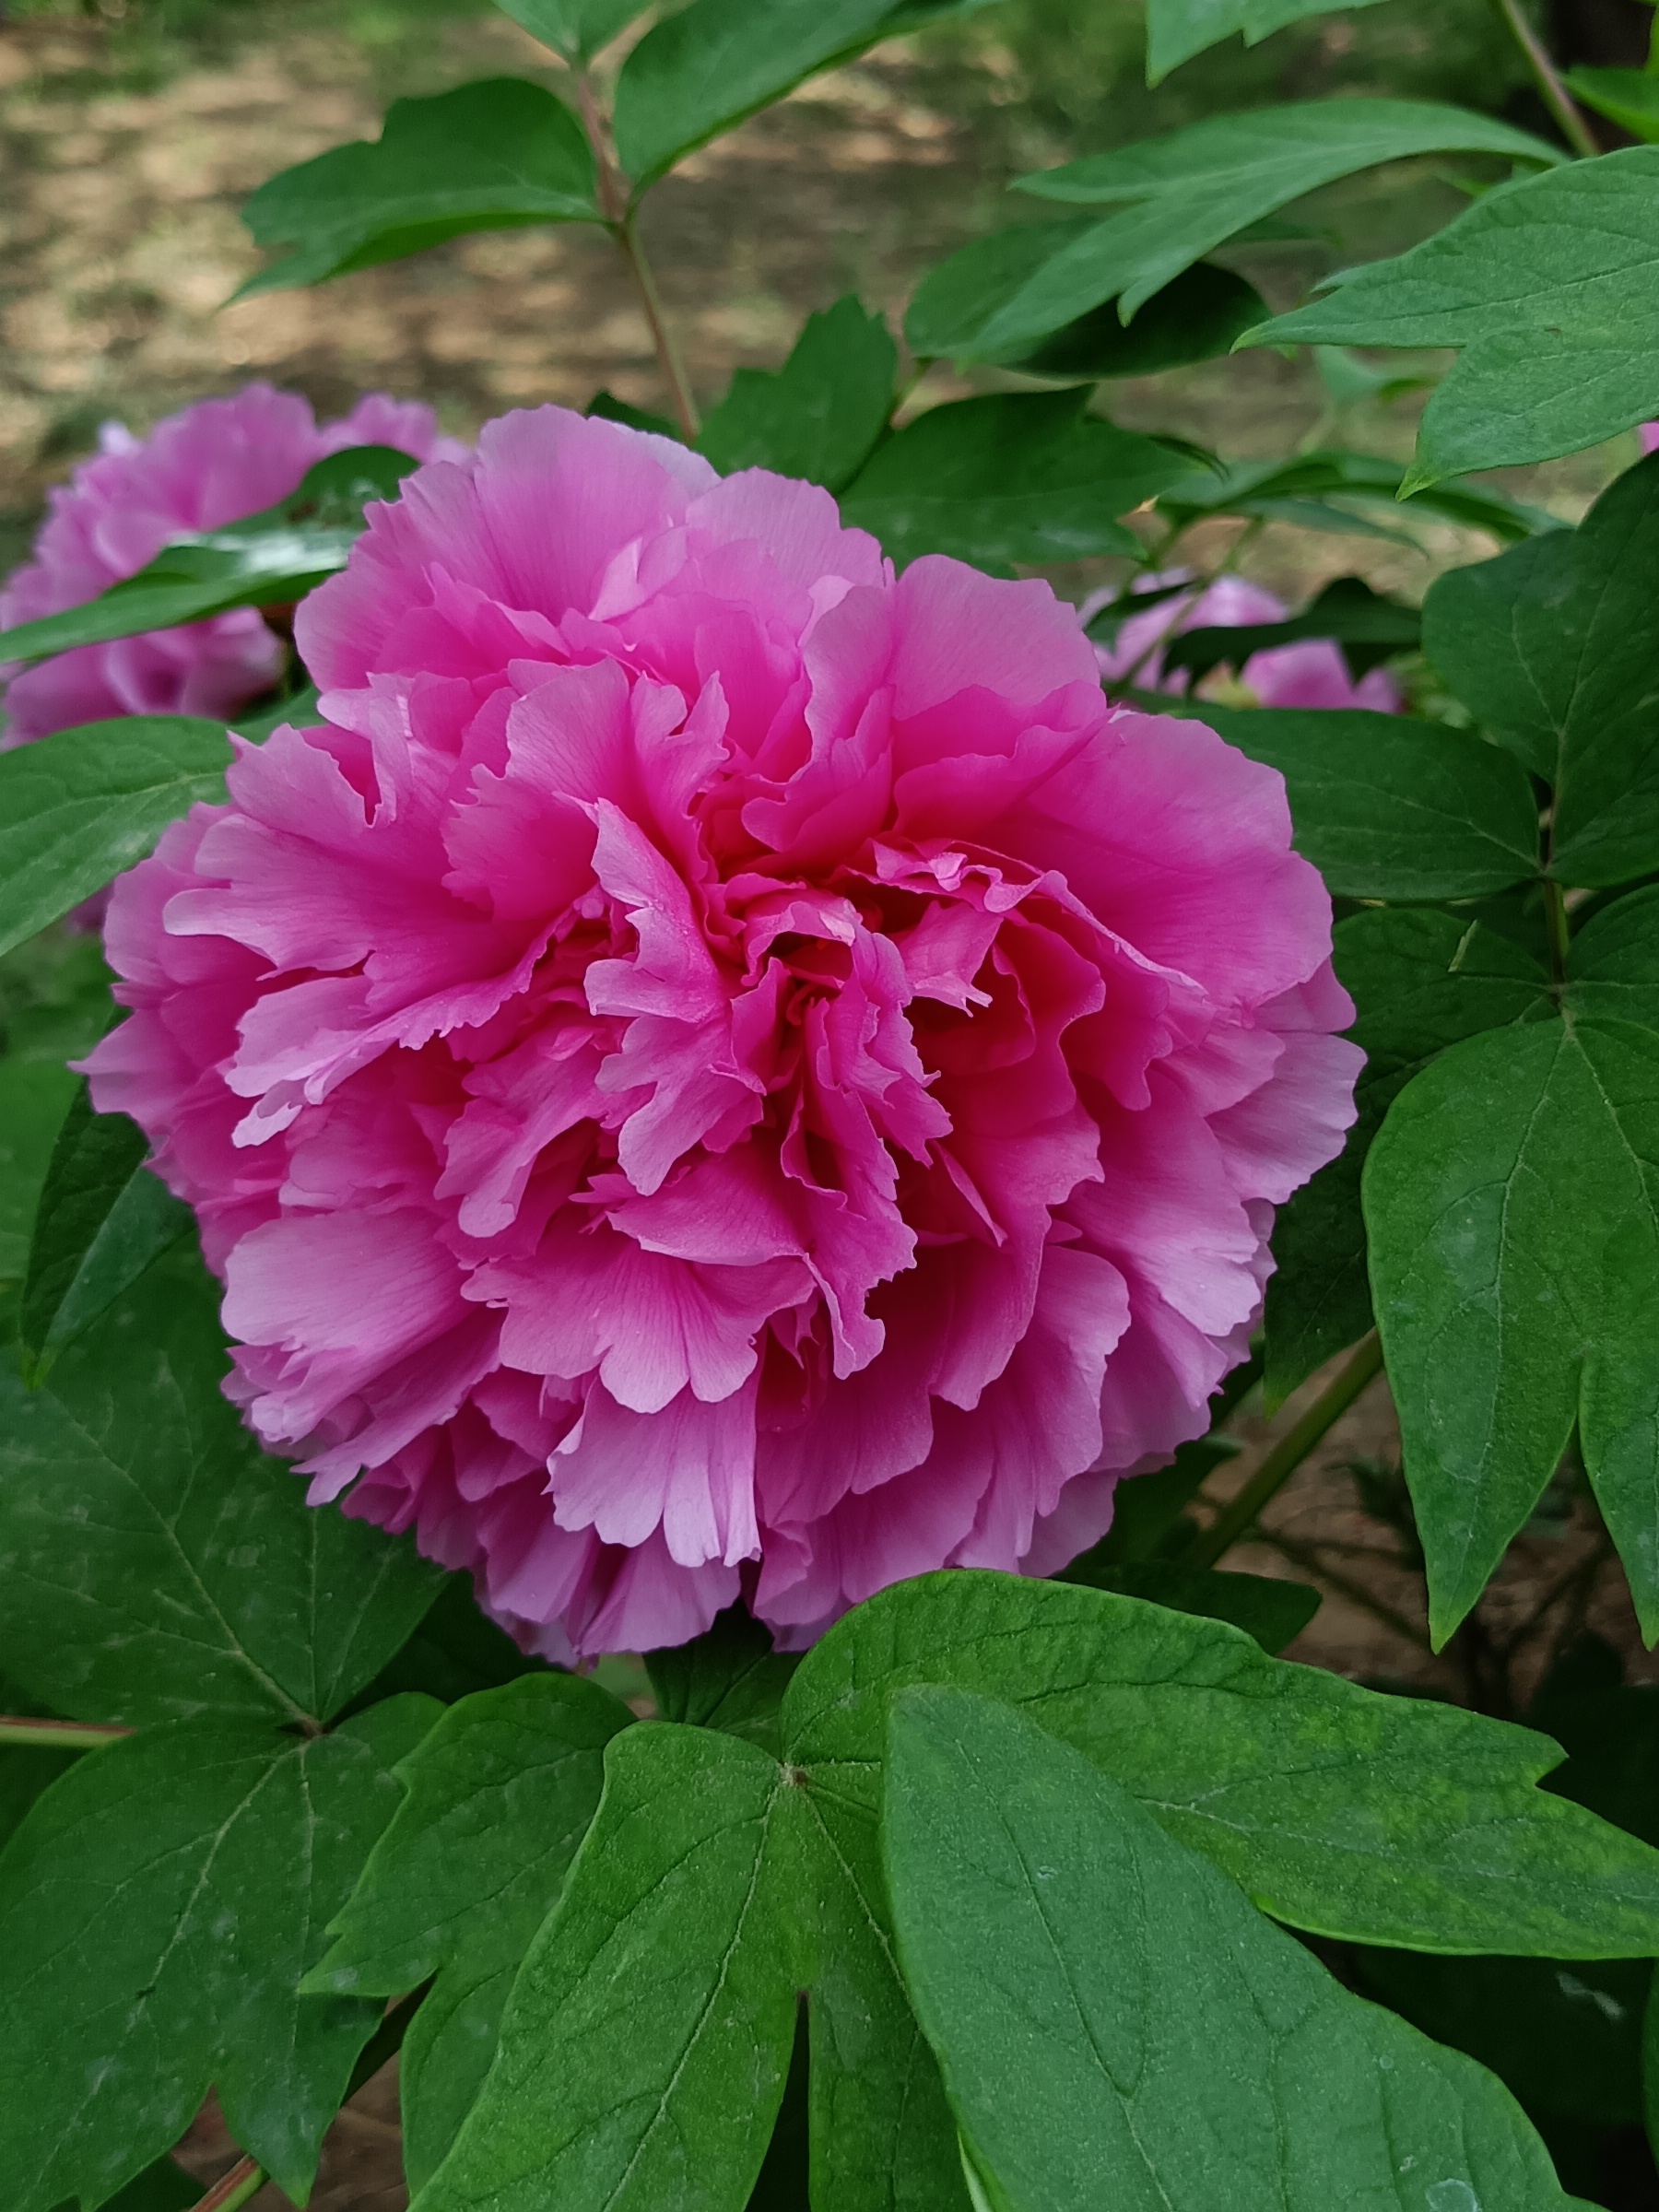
point(714, 1070)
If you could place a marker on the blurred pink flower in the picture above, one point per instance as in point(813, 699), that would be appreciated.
point(1648, 432)
point(211, 465)
point(715, 1070)
point(1310, 674)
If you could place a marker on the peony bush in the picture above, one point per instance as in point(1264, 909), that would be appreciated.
point(792, 1059)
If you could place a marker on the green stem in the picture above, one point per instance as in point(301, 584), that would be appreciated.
point(674, 369)
point(1554, 915)
point(57, 1736)
point(1547, 77)
point(621, 220)
point(1239, 1517)
point(232, 2190)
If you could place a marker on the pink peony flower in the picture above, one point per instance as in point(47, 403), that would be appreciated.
point(714, 1070)
point(212, 464)
point(1648, 433)
point(1312, 674)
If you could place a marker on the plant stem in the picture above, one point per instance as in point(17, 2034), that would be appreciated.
point(1554, 915)
point(622, 221)
point(674, 369)
point(58, 1735)
point(1235, 1519)
point(1556, 97)
point(232, 2190)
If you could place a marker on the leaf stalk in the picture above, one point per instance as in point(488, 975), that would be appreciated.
point(621, 219)
point(232, 2190)
point(57, 1736)
point(1569, 115)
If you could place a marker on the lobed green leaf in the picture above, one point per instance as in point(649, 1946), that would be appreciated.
point(1176, 198)
point(576, 29)
point(1552, 647)
point(102, 1218)
point(1270, 1611)
point(158, 1907)
point(1421, 980)
point(80, 806)
point(729, 1677)
point(703, 69)
point(1513, 1205)
point(153, 1563)
point(498, 1797)
point(498, 155)
point(1337, 1809)
point(1549, 286)
point(818, 416)
point(1386, 807)
point(1011, 477)
point(645, 2044)
point(1171, 2051)
point(1176, 30)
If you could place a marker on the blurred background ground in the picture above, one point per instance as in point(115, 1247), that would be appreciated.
point(131, 131)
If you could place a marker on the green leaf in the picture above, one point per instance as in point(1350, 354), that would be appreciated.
point(1421, 980)
point(1303, 489)
point(1008, 478)
point(1176, 30)
point(882, 2137)
point(492, 155)
point(1550, 288)
point(821, 413)
point(152, 1561)
point(1613, 961)
point(1338, 1809)
point(157, 1909)
point(1174, 2051)
point(455, 1651)
point(729, 1677)
point(1627, 97)
point(1192, 319)
point(1552, 647)
point(703, 69)
point(1178, 196)
point(575, 29)
point(102, 1218)
point(1268, 1610)
point(498, 1797)
point(645, 2044)
point(1513, 1205)
point(34, 1098)
point(1564, 2038)
point(1386, 807)
point(77, 807)
point(273, 557)
point(1369, 628)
